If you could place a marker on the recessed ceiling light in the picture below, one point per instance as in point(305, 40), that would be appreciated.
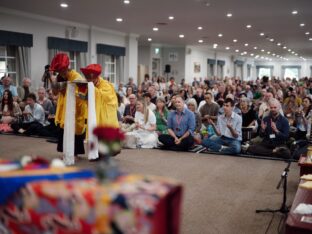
point(289, 50)
point(220, 35)
point(293, 52)
point(171, 17)
point(273, 54)
point(229, 15)
point(271, 40)
point(262, 50)
point(302, 24)
point(200, 41)
point(155, 29)
point(242, 53)
point(126, 1)
point(307, 33)
point(215, 46)
point(284, 47)
point(227, 48)
point(296, 54)
point(64, 5)
point(261, 34)
point(236, 51)
point(255, 47)
point(310, 39)
point(149, 39)
point(234, 40)
point(248, 26)
point(279, 44)
point(294, 12)
point(246, 44)
point(268, 52)
point(181, 36)
point(251, 55)
point(200, 28)
point(119, 19)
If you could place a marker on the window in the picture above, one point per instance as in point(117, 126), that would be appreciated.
point(8, 61)
point(112, 67)
point(264, 71)
point(211, 70)
point(291, 72)
point(220, 71)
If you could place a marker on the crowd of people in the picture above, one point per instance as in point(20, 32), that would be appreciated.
point(229, 116)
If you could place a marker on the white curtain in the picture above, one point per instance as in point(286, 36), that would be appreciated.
point(102, 59)
point(81, 60)
point(23, 64)
point(51, 54)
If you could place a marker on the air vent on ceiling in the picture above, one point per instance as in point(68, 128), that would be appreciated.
point(162, 24)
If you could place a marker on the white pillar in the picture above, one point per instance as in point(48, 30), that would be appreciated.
point(131, 59)
point(92, 58)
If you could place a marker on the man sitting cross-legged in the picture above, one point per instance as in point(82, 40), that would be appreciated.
point(181, 126)
point(275, 132)
point(228, 130)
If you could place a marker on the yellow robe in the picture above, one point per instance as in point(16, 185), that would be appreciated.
point(81, 107)
point(106, 104)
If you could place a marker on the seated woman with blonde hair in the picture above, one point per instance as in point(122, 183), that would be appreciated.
point(9, 110)
point(144, 134)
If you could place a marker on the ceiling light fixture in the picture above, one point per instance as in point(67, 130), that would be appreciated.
point(255, 48)
point(236, 51)
point(181, 36)
point(289, 50)
point(234, 40)
point(227, 48)
point(251, 55)
point(220, 35)
point(171, 17)
point(200, 41)
point(285, 47)
point(310, 39)
point(119, 19)
point(262, 50)
point(294, 12)
point(302, 24)
point(307, 33)
point(248, 26)
point(279, 44)
point(64, 5)
point(155, 29)
point(149, 39)
point(268, 52)
point(126, 1)
point(261, 34)
point(271, 40)
point(200, 28)
point(293, 52)
point(229, 15)
point(246, 44)
point(215, 46)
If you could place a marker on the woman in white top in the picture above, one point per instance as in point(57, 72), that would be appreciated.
point(145, 126)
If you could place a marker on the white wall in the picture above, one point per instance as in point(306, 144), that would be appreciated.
point(42, 27)
point(178, 66)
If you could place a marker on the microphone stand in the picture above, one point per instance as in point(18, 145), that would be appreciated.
point(283, 209)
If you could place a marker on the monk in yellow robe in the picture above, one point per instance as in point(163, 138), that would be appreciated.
point(106, 103)
point(60, 64)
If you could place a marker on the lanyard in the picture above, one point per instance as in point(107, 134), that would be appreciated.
point(179, 120)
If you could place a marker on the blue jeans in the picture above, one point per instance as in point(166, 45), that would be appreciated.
point(232, 146)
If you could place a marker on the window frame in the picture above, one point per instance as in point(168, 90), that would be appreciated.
point(6, 57)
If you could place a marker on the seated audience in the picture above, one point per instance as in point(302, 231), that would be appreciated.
point(181, 126)
point(144, 134)
point(34, 118)
point(10, 112)
point(275, 132)
point(44, 102)
point(303, 118)
point(130, 109)
point(228, 130)
point(6, 85)
point(161, 114)
point(192, 106)
point(23, 92)
point(209, 110)
point(150, 105)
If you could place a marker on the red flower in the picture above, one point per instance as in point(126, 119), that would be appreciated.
point(108, 133)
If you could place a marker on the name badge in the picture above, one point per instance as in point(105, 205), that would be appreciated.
point(272, 136)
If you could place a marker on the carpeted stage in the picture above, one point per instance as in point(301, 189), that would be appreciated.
point(221, 193)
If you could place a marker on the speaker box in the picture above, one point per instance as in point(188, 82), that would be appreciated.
point(167, 68)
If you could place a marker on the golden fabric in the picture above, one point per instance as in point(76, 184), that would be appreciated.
point(81, 107)
point(106, 104)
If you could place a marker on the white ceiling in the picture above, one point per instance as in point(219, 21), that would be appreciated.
point(273, 17)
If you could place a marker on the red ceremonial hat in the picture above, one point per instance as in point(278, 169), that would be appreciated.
point(59, 62)
point(92, 69)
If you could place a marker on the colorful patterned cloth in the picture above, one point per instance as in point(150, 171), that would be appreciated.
point(12, 181)
point(131, 204)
